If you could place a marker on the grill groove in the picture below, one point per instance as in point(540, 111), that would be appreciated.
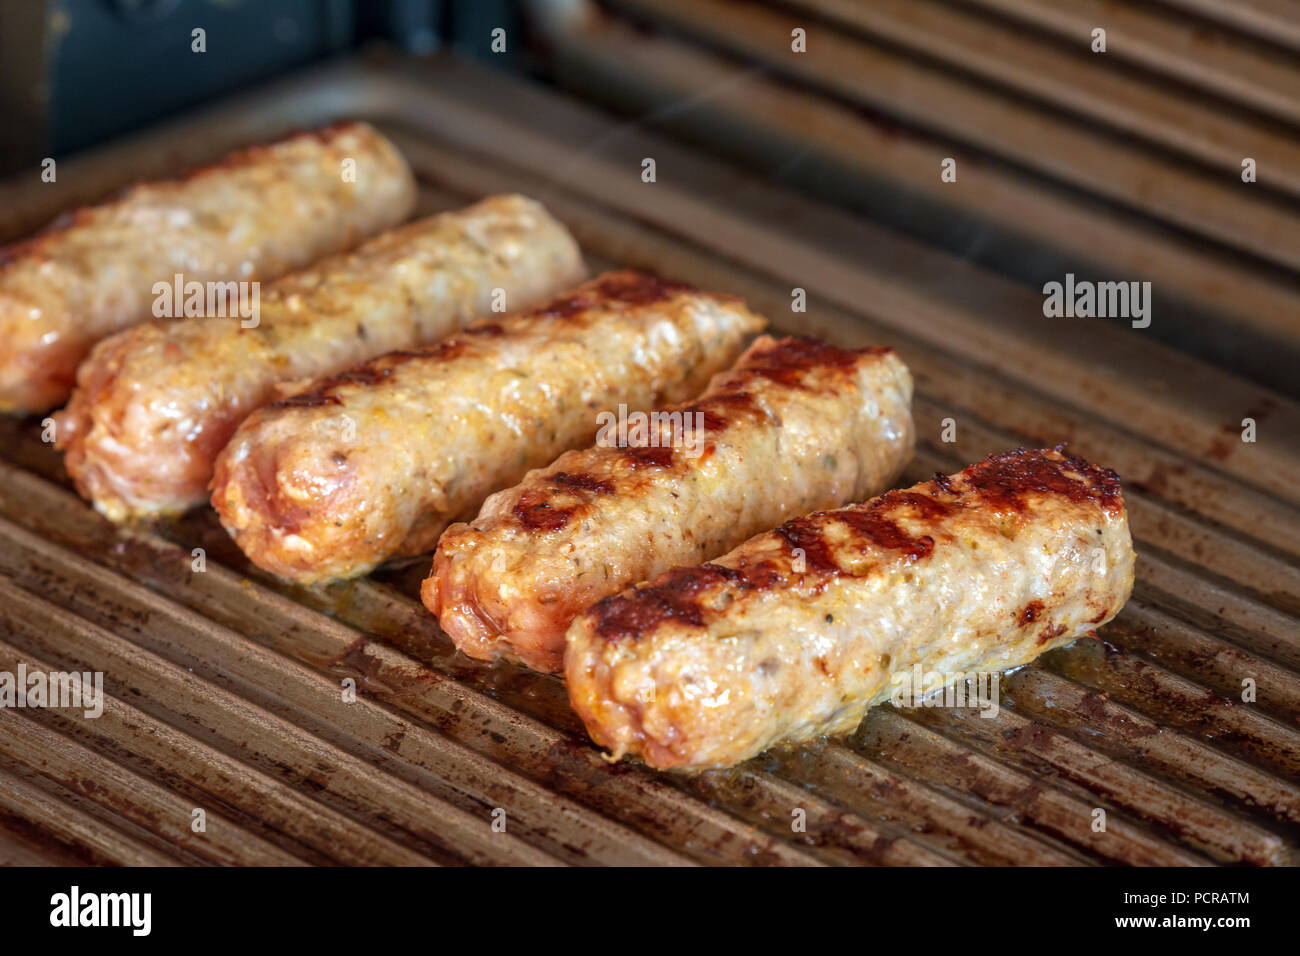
point(224, 685)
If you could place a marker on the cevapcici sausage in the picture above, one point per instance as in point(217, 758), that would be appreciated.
point(257, 214)
point(797, 632)
point(375, 462)
point(797, 425)
point(155, 403)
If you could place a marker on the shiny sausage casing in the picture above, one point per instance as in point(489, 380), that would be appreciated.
point(798, 631)
point(797, 425)
point(255, 215)
point(377, 461)
point(156, 403)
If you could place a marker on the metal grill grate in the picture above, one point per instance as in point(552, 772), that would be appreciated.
point(224, 685)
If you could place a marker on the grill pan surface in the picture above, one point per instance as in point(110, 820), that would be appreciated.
point(224, 686)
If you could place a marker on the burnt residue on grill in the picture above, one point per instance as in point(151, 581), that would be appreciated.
point(54, 852)
point(570, 765)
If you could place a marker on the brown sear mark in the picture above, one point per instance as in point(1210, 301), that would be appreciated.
point(869, 522)
point(999, 479)
point(886, 534)
point(785, 362)
point(716, 412)
point(790, 359)
point(709, 419)
point(1029, 613)
point(674, 597)
point(1004, 481)
point(628, 287)
point(657, 457)
point(535, 511)
point(803, 534)
point(643, 609)
point(929, 508)
point(943, 483)
point(367, 375)
point(585, 482)
point(1050, 633)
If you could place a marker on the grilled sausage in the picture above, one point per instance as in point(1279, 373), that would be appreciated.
point(255, 215)
point(376, 462)
point(797, 425)
point(155, 403)
point(798, 631)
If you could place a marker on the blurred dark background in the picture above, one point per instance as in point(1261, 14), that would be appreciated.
point(76, 72)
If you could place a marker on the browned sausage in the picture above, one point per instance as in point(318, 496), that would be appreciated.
point(155, 403)
point(377, 461)
point(798, 631)
point(255, 215)
point(797, 425)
